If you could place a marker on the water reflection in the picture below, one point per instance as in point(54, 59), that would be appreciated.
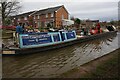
point(52, 63)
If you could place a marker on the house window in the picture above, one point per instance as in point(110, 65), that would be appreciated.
point(46, 15)
point(38, 17)
point(34, 17)
point(18, 19)
point(12, 20)
point(38, 24)
point(46, 24)
point(52, 14)
point(25, 18)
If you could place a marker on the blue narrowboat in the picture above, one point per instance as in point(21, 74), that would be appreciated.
point(42, 41)
point(36, 42)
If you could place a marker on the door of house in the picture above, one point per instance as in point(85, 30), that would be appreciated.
point(42, 24)
point(38, 24)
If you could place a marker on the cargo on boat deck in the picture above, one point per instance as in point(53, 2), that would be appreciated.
point(111, 28)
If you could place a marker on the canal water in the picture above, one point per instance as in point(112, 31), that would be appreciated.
point(52, 63)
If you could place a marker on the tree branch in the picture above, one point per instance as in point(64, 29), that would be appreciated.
point(8, 8)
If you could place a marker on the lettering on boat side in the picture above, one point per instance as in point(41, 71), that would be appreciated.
point(36, 39)
point(41, 39)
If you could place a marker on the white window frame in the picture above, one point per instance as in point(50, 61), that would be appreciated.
point(12, 20)
point(25, 18)
point(34, 16)
point(45, 24)
point(38, 16)
point(18, 19)
point(52, 14)
point(47, 15)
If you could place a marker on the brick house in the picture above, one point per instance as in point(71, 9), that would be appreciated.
point(41, 18)
point(88, 23)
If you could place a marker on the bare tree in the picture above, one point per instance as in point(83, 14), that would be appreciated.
point(8, 8)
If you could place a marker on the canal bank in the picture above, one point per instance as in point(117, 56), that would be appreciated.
point(106, 66)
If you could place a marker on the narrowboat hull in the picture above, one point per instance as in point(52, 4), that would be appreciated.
point(55, 46)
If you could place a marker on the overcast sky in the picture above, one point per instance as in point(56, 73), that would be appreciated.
point(104, 10)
